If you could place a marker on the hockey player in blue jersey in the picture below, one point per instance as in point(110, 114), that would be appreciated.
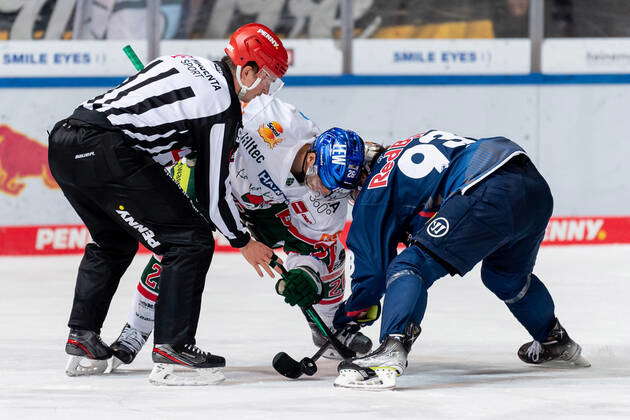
point(454, 202)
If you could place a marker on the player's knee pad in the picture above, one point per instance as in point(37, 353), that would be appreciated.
point(511, 287)
point(416, 262)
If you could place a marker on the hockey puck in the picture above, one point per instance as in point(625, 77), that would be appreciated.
point(285, 365)
point(308, 366)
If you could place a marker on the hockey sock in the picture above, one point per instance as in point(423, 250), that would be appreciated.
point(141, 315)
point(409, 277)
point(533, 307)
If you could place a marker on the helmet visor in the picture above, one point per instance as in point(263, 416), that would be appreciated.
point(270, 82)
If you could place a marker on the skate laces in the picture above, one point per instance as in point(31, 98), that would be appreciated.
point(132, 338)
point(196, 350)
point(534, 350)
point(347, 334)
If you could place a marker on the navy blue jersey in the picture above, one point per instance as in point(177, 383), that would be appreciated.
point(408, 184)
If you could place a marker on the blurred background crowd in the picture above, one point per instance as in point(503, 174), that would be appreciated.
point(210, 19)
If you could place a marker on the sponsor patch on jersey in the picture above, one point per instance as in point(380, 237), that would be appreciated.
point(270, 133)
point(392, 153)
point(146, 233)
point(198, 70)
point(267, 181)
point(248, 143)
point(438, 227)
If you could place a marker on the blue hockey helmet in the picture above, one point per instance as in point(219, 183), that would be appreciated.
point(339, 158)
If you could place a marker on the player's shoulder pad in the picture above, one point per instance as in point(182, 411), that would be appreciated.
point(206, 79)
point(274, 121)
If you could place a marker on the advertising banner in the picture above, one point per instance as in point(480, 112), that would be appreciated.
point(65, 59)
point(106, 58)
point(71, 239)
point(441, 56)
point(586, 55)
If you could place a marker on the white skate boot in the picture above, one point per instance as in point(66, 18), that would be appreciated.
point(378, 370)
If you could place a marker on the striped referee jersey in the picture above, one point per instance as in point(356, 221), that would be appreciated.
point(176, 105)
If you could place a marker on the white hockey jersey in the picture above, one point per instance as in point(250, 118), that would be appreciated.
point(260, 173)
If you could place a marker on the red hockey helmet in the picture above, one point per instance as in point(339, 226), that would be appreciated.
point(258, 43)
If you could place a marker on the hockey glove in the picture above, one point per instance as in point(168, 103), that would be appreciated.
point(300, 286)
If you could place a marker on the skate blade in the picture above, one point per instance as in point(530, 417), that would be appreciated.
point(576, 362)
point(82, 366)
point(384, 380)
point(112, 364)
point(573, 362)
point(332, 354)
point(164, 374)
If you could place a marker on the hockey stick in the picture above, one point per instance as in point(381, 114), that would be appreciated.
point(291, 368)
point(287, 366)
point(133, 57)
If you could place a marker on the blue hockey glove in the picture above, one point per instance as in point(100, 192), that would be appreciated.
point(300, 286)
point(362, 317)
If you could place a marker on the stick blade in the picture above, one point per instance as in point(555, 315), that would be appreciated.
point(286, 366)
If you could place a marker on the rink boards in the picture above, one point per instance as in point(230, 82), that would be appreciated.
point(71, 239)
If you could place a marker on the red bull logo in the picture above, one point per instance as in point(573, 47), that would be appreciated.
point(270, 133)
point(22, 157)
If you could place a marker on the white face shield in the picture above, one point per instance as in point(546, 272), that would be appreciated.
point(314, 183)
point(270, 83)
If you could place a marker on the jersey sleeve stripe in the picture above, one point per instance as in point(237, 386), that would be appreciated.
point(154, 102)
point(127, 81)
point(142, 84)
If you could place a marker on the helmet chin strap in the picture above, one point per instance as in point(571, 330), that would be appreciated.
point(244, 89)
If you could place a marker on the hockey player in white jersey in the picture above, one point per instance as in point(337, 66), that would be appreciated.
point(284, 202)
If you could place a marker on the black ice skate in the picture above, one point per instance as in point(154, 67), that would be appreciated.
point(350, 337)
point(379, 369)
point(128, 344)
point(87, 344)
point(558, 350)
point(88, 353)
point(203, 368)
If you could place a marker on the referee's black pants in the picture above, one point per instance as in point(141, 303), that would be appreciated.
point(123, 197)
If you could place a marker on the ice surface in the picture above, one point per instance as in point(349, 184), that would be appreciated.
point(463, 366)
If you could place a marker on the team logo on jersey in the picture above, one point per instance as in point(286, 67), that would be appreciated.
point(256, 200)
point(438, 227)
point(270, 133)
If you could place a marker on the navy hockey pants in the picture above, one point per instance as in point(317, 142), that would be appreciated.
point(500, 222)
